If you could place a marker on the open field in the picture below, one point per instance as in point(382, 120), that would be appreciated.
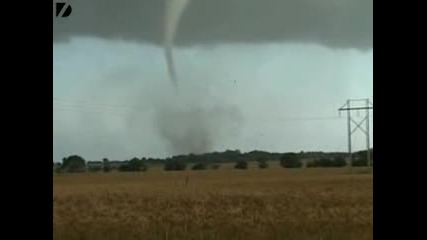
point(272, 203)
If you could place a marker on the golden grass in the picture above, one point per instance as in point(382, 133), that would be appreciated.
point(272, 203)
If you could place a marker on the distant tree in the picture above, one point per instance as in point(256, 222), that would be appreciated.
point(290, 160)
point(106, 167)
point(231, 155)
point(262, 163)
point(360, 162)
point(174, 165)
point(311, 164)
point(134, 165)
point(360, 159)
point(199, 166)
point(339, 162)
point(192, 158)
point(241, 164)
point(124, 168)
point(73, 164)
point(326, 162)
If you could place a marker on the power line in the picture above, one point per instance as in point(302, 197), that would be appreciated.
point(124, 114)
point(123, 110)
point(85, 103)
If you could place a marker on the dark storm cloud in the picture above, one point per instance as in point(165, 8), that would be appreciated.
point(332, 23)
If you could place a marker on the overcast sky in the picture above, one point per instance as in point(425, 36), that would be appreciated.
point(251, 75)
point(114, 99)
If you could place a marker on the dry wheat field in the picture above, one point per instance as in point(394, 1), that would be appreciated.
point(273, 203)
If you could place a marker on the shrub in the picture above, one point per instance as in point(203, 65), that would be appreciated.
point(262, 164)
point(174, 165)
point(339, 162)
point(134, 165)
point(199, 166)
point(361, 162)
point(73, 164)
point(241, 164)
point(290, 160)
point(325, 162)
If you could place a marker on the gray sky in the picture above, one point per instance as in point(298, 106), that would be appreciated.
point(266, 75)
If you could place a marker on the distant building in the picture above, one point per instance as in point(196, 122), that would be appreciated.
point(116, 164)
point(94, 164)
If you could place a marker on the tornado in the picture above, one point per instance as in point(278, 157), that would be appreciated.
point(173, 12)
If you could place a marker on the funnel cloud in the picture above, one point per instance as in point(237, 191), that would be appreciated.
point(173, 13)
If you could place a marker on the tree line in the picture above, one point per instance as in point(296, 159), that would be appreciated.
point(76, 163)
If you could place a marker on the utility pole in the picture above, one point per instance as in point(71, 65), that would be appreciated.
point(350, 107)
point(350, 161)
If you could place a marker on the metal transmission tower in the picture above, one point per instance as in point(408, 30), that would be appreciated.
point(348, 106)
